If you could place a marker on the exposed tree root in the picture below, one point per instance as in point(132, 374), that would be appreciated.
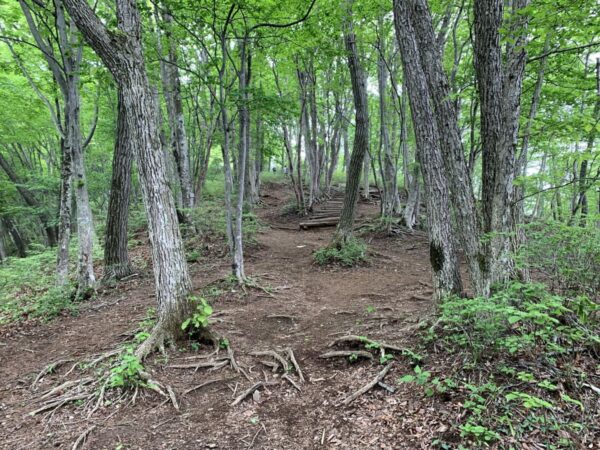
point(240, 398)
point(49, 369)
point(216, 363)
point(206, 383)
point(347, 354)
point(292, 358)
point(280, 359)
point(365, 341)
point(82, 437)
point(367, 387)
point(291, 381)
point(156, 341)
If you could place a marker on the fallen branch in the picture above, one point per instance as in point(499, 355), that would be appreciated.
point(367, 387)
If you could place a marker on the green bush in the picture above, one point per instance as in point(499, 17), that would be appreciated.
point(517, 319)
point(347, 254)
point(516, 364)
point(569, 256)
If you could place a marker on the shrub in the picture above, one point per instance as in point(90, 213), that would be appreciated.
point(516, 319)
point(347, 254)
point(568, 256)
point(516, 364)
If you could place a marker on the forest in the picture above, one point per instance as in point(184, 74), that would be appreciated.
point(353, 224)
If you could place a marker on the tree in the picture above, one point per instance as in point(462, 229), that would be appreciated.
point(116, 256)
point(442, 253)
point(499, 83)
point(361, 135)
point(122, 53)
point(60, 49)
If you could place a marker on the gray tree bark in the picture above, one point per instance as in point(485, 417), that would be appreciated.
point(116, 257)
point(122, 53)
point(361, 134)
point(499, 94)
point(388, 171)
point(444, 263)
point(446, 115)
point(172, 93)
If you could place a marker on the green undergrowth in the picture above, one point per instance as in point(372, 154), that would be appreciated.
point(523, 364)
point(27, 289)
point(209, 220)
point(347, 254)
point(567, 256)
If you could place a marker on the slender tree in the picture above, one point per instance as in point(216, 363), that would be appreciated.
point(361, 135)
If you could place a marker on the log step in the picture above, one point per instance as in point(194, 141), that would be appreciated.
point(324, 216)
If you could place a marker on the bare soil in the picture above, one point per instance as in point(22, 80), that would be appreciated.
point(304, 307)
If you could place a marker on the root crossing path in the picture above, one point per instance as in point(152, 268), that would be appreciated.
point(245, 397)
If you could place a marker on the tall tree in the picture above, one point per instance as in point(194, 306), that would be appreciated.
point(361, 134)
point(116, 256)
point(122, 53)
point(65, 69)
point(442, 253)
point(452, 152)
point(499, 81)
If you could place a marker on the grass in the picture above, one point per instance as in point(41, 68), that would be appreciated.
point(346, 254)
point(27, 289)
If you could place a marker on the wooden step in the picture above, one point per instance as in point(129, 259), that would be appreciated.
point(324, 216)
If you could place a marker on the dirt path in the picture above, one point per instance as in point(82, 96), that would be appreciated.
point(307, 308)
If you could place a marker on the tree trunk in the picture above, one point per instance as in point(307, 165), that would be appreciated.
point(388, 171)
point(3, 254)
point(123, 55)
point(116, 256)
point(31, 201)
point(244, 138)
point(413, 201)
point(15, 234)
point(361, 134)
point(499, 94)
point(446, 115)
point(172, 93)
point(85, 224)
point(446, 275)
point(64, 215)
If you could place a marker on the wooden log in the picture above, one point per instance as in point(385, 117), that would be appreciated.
point(324, 217)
